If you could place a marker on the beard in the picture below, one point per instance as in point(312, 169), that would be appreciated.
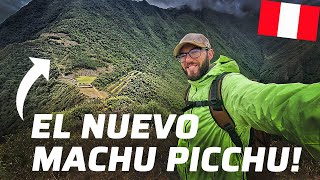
point(202, 70)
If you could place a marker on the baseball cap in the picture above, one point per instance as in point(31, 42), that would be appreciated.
point(192, 38)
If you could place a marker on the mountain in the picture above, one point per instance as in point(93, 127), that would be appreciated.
point(115, 41)
point(115, 56)
point(289, 60)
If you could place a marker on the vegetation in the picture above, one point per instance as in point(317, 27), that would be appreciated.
point(136, 40)
point(86, 79)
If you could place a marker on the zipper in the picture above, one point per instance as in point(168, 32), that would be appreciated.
point(185, 130)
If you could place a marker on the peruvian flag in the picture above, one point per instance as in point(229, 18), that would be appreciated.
point(288, 20)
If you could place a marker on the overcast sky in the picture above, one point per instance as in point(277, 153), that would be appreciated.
point(236, 7)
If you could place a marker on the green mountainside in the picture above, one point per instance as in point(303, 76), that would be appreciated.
point(115, 56)
point(290, 60)
point(112, 41)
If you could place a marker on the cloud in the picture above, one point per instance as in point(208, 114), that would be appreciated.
point(9, 7)
point(236, 7)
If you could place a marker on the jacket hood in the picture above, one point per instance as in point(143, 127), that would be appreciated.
point(223, 64)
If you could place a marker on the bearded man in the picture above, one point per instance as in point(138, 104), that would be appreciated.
point(289, 110)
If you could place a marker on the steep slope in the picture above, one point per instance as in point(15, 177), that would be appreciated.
point(26, 23)
point(290, 61)
point(125, 35)
point(125, 48)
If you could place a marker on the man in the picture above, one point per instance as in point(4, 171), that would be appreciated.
point(289, 110)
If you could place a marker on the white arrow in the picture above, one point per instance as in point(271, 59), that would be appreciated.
point(41, 67)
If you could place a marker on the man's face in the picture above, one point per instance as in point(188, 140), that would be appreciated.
point(195, 68)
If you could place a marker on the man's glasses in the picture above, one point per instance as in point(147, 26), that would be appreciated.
point(193, 53)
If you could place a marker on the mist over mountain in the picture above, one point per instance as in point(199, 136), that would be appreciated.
point(115, 56)
point(235, 7)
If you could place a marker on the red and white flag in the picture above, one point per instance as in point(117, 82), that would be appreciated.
point(288, 20)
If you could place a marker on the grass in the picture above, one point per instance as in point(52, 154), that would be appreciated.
point(86, 79)
point(93, 93)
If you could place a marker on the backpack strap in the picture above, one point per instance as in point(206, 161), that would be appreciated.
point(192, 104)
point(219, 112)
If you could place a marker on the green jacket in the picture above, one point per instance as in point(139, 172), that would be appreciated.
point(289, 110)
